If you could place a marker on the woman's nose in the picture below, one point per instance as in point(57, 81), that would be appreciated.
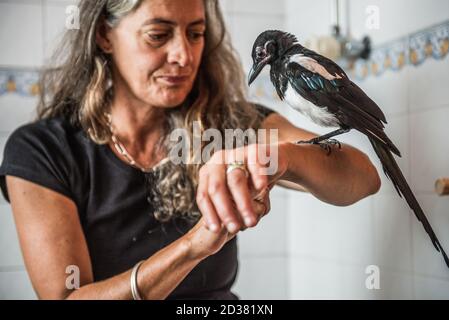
point(180, 52)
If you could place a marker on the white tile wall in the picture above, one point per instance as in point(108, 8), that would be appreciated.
point(395, 285)
point(324, 279)
point(429, 157)
point(16, 110)
point(306, 20)
point(424, 14)
point(54, 25)
point(319, 230)
point(21, 33)
point(269, 238)
point(428, 92)
point(254, 7)
point(428, 288)
point(262, 278)
point(15, 285)
point(392, 233)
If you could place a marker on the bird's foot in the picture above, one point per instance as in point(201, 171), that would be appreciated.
point(324, 144)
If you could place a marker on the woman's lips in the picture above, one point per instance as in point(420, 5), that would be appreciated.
point(174, 80)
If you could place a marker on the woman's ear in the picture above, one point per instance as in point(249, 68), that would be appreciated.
point(102, 36)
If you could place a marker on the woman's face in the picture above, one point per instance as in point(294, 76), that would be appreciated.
point(156, 51)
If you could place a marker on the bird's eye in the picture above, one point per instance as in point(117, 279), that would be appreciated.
point(260, 53)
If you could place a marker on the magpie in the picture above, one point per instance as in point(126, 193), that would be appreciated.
point(319, 89)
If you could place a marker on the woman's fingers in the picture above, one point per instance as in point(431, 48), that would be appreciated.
point(226, 198)
point(221, 197)
point(205, 205)
point(256, 170)
point(263, 205)
point(238, 185)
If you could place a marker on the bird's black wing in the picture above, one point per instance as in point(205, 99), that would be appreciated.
point(327, 63)
point(350, 90)
point(336, 92)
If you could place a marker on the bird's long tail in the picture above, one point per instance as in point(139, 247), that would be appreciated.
point(393, 172)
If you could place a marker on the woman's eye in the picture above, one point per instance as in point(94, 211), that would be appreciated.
point(196, 35)
point(157, 36)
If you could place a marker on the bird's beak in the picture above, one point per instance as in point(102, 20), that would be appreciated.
point(256, 69)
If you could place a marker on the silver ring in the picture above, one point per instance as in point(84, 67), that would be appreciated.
point(237, 165)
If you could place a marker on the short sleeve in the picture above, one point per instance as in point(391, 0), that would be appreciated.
point(35, 152)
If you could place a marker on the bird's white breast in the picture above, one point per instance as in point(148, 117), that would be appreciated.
point(319, 115)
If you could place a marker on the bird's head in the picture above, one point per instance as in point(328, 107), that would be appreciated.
point(269, 46)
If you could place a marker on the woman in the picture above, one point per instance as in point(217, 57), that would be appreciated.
point(79, 178)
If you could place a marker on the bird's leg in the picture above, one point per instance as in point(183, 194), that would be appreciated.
point(324, 141)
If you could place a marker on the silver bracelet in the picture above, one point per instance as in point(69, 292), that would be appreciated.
point(134, 290)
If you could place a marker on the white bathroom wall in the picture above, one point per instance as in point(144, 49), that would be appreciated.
point(330, 248)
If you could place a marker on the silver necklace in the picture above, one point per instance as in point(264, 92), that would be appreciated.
point(122, 150)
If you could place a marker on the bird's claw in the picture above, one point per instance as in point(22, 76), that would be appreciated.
point(325, 144)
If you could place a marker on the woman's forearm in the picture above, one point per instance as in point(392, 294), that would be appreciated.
point(158, 276)
point(341, 178)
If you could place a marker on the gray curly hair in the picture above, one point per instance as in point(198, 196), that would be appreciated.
point(78, 88)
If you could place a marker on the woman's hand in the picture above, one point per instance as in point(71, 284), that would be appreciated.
point(203, 242)
point(228, 198)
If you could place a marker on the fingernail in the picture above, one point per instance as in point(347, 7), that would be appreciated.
point(248, 221)
point(232, 227)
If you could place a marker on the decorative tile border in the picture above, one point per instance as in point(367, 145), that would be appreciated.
point(413, 49)
point(22, 81)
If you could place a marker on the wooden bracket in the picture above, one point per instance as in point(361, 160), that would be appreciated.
point(442, 186)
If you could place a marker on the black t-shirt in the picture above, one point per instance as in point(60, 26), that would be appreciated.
point(111, 198)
